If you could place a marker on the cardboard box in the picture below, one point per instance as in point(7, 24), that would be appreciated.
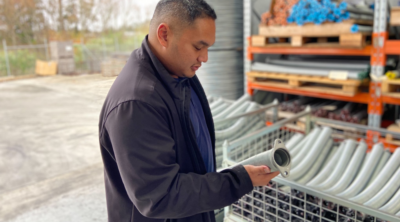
point(395, 16)
point(46, 68)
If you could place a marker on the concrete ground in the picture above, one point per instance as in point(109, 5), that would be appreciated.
point(50, 163)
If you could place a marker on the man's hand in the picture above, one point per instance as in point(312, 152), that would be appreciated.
point(260, 175)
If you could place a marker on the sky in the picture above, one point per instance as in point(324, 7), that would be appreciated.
point(147, 5)
point(131, 12)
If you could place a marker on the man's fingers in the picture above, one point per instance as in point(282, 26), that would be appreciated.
point(263, 170)
point(273, 174)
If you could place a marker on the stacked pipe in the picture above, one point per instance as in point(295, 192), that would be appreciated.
point(279, 12)
point(336, 110)
point(347, 171)
point(225, 57)
point(323, 69)
point(231, 130)
point(318, 12)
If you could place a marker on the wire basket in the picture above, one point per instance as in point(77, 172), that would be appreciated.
point(251, 121)
point(284, 200)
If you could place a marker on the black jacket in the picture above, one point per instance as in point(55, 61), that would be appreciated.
point(152, 166)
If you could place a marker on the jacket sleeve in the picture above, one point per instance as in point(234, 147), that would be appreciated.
point(144, 151)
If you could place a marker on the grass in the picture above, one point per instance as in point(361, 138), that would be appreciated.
point(21, 62)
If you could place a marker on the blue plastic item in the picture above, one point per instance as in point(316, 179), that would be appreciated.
point(346, 16)
point(354, 28)
point(343, 6)
point(337, 12)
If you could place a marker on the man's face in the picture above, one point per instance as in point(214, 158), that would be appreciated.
point(189, 49)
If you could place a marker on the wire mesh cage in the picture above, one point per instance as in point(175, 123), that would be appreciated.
point(253, 118)
point(285, 200)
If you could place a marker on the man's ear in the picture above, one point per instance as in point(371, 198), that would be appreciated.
point(163, 34)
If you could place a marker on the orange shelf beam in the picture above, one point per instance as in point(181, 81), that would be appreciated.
point(391, 100)
point(366, 51)
point(358, 98)
point(392, 47)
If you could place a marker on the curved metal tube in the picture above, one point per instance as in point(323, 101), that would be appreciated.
point(386, 192)
point(252, 124)
point(219, 149)
point(317, 165)
point(323, 65)
point(367, 155)
point(329, 157)
point(304, 150)
point(210, 99)
point(243, 131)
point(351, 170)
point(216, 103)
point(380, 180)
point(254, 147)
point(296, 138)
point(233, 106)
point(316, 149)
point(384, 159)
point(299, 146)
point(277, 159)
point(240, 109)
point(341, 165)
point(325, 172)
point(219, 109)
point(222, 134)
point(265, 67)
point(393, 205)
point(362, 178)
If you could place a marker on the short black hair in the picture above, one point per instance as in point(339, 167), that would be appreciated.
point(185, 11)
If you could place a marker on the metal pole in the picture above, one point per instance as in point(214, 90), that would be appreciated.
point(104, 47)
point(6, 55)
point(116, 44)
point(46, 48)
point(83, 55)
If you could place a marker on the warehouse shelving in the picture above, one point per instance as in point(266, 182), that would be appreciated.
point(378, 51)
point(358, 98)
point(366, 51)
point(392, 47)
point(391, 100)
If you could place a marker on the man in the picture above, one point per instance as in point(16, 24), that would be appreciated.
point(156, 130)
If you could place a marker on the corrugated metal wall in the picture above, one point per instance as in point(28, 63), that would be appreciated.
point(222, 75)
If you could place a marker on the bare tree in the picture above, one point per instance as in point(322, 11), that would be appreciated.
point(61, 15)
point(21, 18)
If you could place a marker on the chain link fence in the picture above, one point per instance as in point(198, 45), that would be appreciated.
point(88, 54)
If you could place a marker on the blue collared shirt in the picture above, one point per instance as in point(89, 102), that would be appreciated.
point(202, 134)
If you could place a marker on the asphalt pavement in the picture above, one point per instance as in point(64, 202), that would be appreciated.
point(50, 163)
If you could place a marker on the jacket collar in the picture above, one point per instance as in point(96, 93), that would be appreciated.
point(170, 83)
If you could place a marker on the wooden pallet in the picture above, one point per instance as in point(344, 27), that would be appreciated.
point(391, 87)
point(308, 83)
point(338, 33)
point(356, 40)
point(390, 138)
point(395, 16)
